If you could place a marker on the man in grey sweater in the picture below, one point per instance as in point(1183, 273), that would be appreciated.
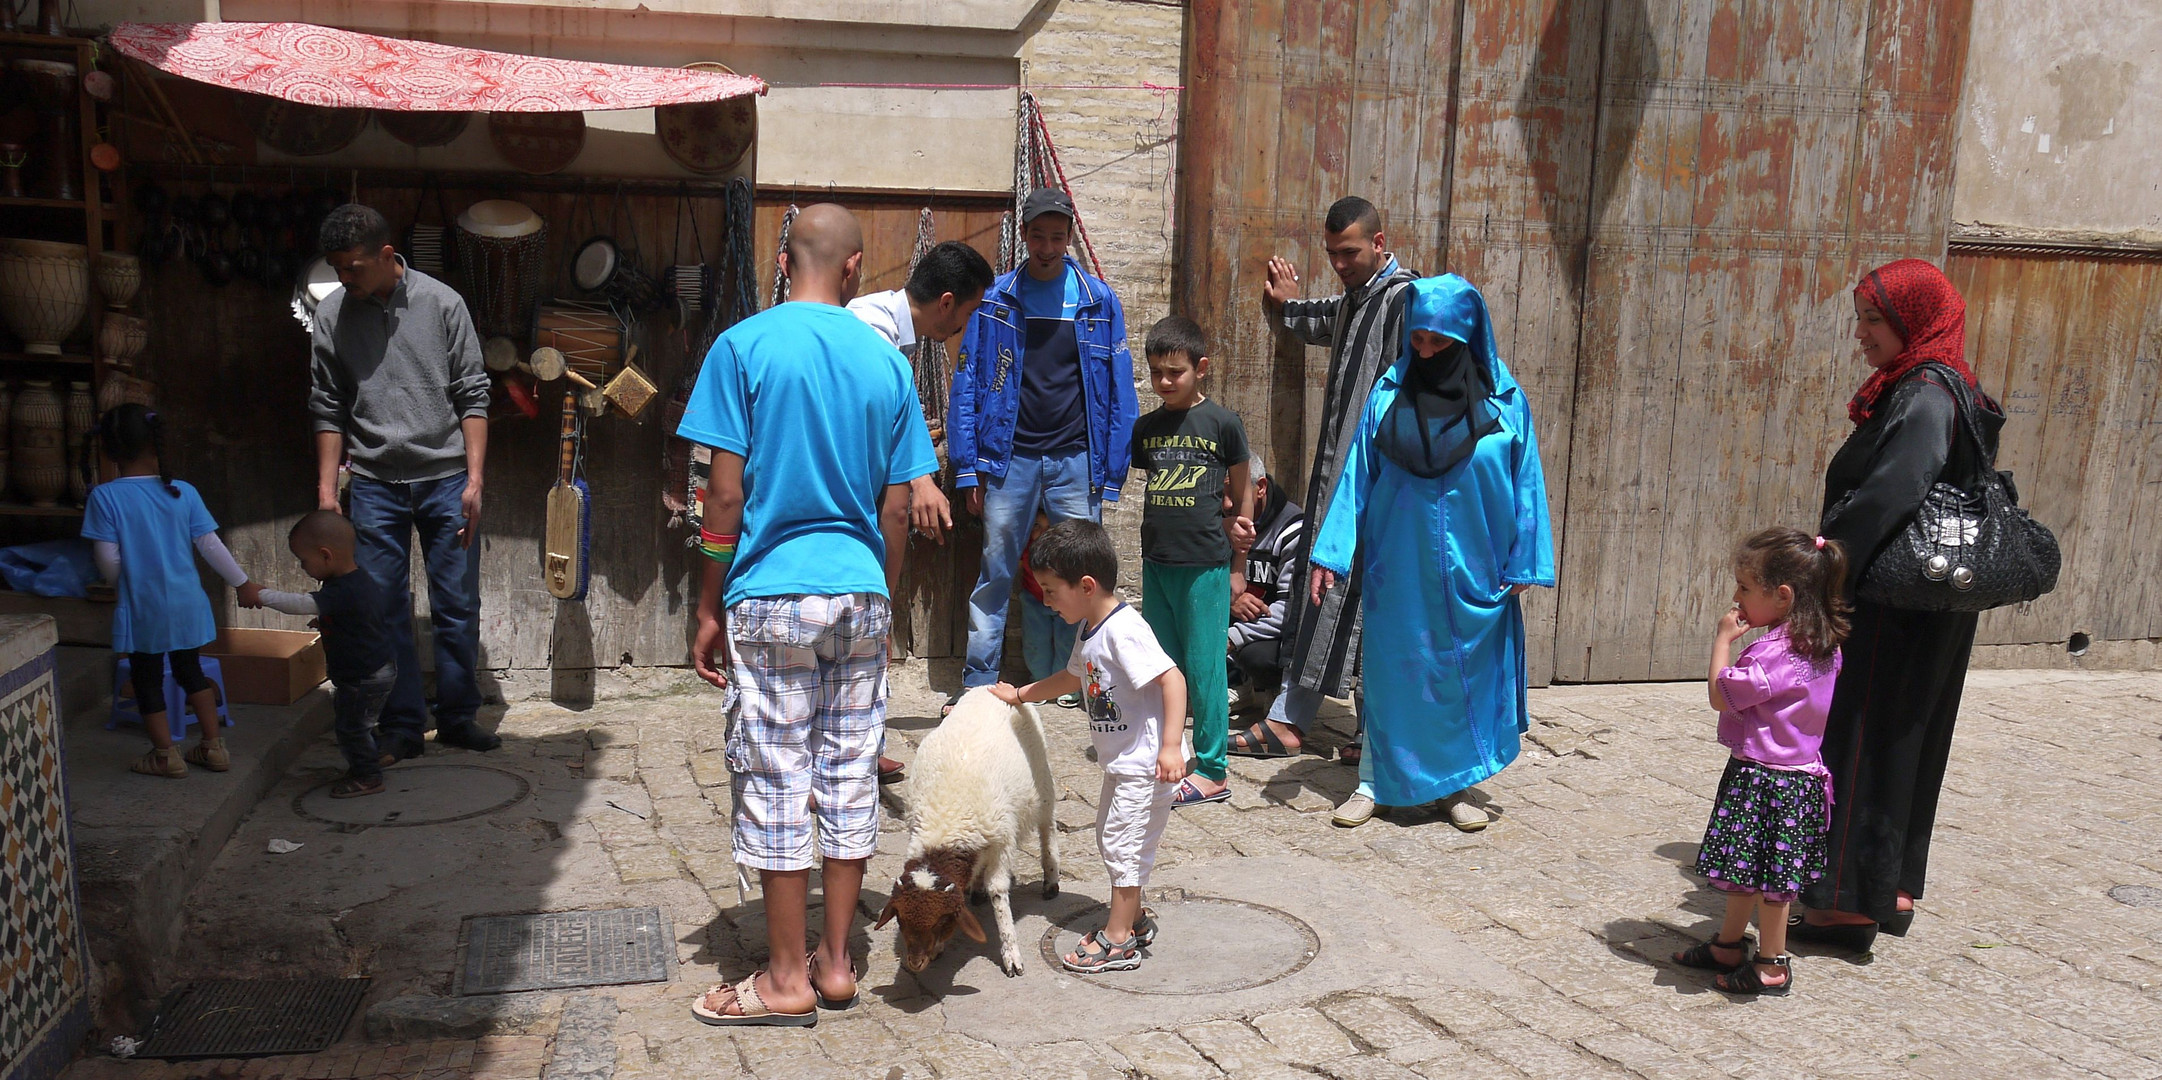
point(400, 394)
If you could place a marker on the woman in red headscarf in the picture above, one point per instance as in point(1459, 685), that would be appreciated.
point(1890, 729)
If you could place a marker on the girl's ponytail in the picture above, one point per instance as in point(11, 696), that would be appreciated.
point(1816, 569)
point(157, 446)
point(127, 432)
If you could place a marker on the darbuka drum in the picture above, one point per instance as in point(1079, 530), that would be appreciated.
point(502, 245)
point(590, 336)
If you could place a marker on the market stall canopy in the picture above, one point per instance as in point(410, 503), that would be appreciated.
point(318, 65)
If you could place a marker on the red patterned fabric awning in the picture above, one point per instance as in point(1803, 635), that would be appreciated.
point(318, 65)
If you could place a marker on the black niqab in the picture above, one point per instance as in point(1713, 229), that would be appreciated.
point(1440, 413)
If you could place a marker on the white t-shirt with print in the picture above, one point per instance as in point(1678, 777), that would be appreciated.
point(1118, 664)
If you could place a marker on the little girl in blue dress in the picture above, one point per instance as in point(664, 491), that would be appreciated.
point(1765, 840)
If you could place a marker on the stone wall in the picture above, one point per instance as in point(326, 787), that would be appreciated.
point(2062, 124)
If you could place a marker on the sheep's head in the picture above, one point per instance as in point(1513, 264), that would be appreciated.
point(930, 899)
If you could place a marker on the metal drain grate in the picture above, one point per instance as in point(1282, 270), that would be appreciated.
point(2137, 895)
point(235, 1018)
point(562, 949)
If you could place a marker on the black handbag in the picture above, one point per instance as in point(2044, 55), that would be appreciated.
point(1966, 549)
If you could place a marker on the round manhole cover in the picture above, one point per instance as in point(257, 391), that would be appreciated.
point(2137, 895)
point(1190, 954)
point(419, 795)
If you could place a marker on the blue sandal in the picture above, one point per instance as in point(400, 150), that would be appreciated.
point(1189, 795)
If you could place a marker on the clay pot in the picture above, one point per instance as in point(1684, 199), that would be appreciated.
point(81, 417)
point(7, 400)
point(37, 428)
point(117, 389)
point(121, 337)
point(119, 276)
point(44, 291)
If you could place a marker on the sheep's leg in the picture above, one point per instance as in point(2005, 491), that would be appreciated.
point(1000, 880)
point(1046, 828)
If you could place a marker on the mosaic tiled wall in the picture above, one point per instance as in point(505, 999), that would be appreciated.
point(44, 984)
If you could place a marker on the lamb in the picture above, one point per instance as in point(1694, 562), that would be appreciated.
point(976, 782)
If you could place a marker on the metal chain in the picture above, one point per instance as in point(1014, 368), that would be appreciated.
point(930, 360)
point(780, 280)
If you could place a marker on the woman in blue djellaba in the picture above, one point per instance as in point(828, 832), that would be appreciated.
point(1442, 508)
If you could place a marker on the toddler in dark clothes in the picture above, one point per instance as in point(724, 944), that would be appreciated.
point(353, 615)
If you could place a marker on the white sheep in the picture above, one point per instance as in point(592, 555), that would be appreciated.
point(977, 781)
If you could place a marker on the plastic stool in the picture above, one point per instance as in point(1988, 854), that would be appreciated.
point(177, 717)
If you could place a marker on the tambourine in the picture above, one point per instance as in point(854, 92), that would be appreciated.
point(595, 265)
point(314, 285)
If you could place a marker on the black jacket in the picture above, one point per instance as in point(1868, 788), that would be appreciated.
point(1877, 480)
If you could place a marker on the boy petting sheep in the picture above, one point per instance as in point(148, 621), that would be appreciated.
point(1136, 702)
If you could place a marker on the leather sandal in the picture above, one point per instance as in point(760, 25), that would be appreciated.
point(166, 763)
point(1746, 979)
point(751, 1010)
point(210, 755)
point(810, 965)
point(1260, 741)
point(1700, 955)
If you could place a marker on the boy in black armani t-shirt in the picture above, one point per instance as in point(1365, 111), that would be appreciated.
point(1189, 549)
point(354, 617)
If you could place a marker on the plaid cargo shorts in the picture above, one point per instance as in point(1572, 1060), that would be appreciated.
point(806, 715)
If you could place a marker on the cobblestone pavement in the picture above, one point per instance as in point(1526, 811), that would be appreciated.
point(2019, 963)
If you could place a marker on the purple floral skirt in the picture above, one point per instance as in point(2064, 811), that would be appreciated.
point(1766, 833)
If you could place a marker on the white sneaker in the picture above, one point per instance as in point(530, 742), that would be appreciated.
point(1463, 814)
point(1356, 811)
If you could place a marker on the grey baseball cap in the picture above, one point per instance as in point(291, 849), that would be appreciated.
point(1045, 200)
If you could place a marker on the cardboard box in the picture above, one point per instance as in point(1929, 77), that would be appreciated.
point(268, 667)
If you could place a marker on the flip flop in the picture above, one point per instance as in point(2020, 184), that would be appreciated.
point(1189, 795)
point(752, 1010)
point(810, 964)
point(1259, 741)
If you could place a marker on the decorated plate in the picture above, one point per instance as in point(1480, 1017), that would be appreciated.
point(710, 136)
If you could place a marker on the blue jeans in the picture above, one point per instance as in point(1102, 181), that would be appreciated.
point(357, 706)
point(1046, 639)
point(386, 516)
point(1057, 485)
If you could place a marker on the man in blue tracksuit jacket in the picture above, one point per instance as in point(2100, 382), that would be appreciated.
point(1041, 413)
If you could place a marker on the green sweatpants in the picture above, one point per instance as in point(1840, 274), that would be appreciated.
point(1189, 607)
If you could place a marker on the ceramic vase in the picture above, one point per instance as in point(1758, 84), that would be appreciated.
point(121, 337)
point(119, 276)
point(37, 428)
point(81, 417)
point(44, 291)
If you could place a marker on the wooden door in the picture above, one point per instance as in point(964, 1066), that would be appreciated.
point(1754, 159)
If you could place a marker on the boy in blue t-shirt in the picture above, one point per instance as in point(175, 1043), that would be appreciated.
point(816, 433)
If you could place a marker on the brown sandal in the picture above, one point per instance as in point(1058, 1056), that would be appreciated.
point(166, 763)
point(210, 755)
point(751, 1010)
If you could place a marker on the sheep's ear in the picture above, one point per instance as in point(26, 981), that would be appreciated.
point(969, 926)
point(884, 917)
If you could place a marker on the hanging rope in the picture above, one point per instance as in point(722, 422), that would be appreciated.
point(930, 361)
point(780, 280)
point(683, 465)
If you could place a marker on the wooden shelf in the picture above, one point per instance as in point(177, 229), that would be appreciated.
point(43, 358)
point(52, 204)
point(25, 510)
